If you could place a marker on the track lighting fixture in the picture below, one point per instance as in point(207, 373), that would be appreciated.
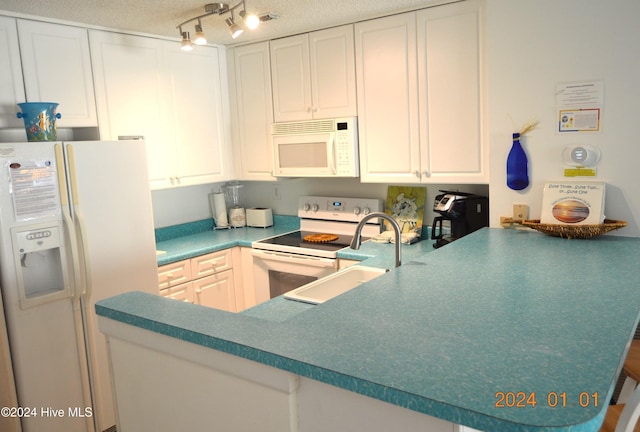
point(250, 21)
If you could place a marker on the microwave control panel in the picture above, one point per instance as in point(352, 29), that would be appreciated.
point(346, 153)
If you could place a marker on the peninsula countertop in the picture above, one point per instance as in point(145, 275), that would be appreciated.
point(460, 333)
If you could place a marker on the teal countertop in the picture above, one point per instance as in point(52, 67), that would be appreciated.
point(446, 334)
point(184, 245)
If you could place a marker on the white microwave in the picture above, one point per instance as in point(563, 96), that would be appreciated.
point(316, 148)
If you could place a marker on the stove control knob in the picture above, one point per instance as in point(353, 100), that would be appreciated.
point(315, 207)
point(356, 210)
point(306, 207)
point(367, 210)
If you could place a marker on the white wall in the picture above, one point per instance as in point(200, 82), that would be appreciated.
point(533, 46)
point(181, 205)
point(187, 204)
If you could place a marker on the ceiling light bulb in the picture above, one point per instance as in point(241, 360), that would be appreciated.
point(252, 21)
point(186, 42)
point(234, 28)
point(199, 38)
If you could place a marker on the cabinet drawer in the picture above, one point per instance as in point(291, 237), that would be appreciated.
point(174, 274)
point(182, 293)
point(209, 264)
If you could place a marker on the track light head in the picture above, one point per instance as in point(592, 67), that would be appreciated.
point(186, 42)
point(252, 21)
point(199, 37)
point(234, 28)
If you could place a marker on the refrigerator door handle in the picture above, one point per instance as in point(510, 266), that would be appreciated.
point(81, 236)
point(68, 224)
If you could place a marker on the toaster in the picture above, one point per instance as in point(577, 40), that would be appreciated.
point(259, 217)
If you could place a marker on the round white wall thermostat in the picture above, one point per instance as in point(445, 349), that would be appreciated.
point(581, 155)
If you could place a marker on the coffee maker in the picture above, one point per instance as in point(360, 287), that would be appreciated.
point(465, 212)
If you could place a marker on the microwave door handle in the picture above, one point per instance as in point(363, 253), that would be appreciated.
point(332, 153)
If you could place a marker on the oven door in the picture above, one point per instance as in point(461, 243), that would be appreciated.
point(278, 272)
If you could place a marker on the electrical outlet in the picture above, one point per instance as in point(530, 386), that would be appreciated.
point(520, 212)
point(276, 193)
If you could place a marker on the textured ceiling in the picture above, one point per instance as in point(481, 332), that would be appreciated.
point(160, 17)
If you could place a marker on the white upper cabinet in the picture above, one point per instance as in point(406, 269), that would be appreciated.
point(57, 68)
point(313, 75)
point(131, 92)
point(11, 84)
point(388, 99)
point(200, 154)
point(148, 87)
point(333, 74)
point(451, 96)
point(420, 96)
point(250, 87)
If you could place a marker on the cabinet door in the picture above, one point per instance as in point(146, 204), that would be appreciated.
point(11, 84)
point(290, 77)
point(197, 113)
point(57, 68)
point(132, 97)
point(333, 72)
point(449, 65)
point(216, 291)
point(388, 99)
point(254, 109)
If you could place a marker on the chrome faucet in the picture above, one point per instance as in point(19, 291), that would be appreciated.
point(355, 243)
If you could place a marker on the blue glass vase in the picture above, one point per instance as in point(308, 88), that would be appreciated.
point(517, 166)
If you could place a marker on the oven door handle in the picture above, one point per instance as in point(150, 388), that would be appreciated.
point(298, 259)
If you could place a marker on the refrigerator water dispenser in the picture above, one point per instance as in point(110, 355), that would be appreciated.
point(40, 265)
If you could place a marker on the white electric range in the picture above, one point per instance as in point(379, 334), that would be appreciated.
point(288, 261)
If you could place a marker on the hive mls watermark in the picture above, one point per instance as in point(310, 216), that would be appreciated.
point(47, 412)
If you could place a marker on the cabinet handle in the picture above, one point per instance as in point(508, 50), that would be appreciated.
point(417, 173)
point(169, 275)
point(426, 173)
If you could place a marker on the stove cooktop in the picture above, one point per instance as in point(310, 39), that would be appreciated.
point(295, 240)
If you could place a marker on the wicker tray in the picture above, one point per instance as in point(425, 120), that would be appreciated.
point(574, 231)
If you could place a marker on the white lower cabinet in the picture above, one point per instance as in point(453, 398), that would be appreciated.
point(182, 293)
point(208, 280)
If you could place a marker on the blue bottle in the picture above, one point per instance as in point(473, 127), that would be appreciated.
point(517, 166)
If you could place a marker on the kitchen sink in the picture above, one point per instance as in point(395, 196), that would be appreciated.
point(333, 285)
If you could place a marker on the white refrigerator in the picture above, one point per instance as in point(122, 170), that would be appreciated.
point(76, 226)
